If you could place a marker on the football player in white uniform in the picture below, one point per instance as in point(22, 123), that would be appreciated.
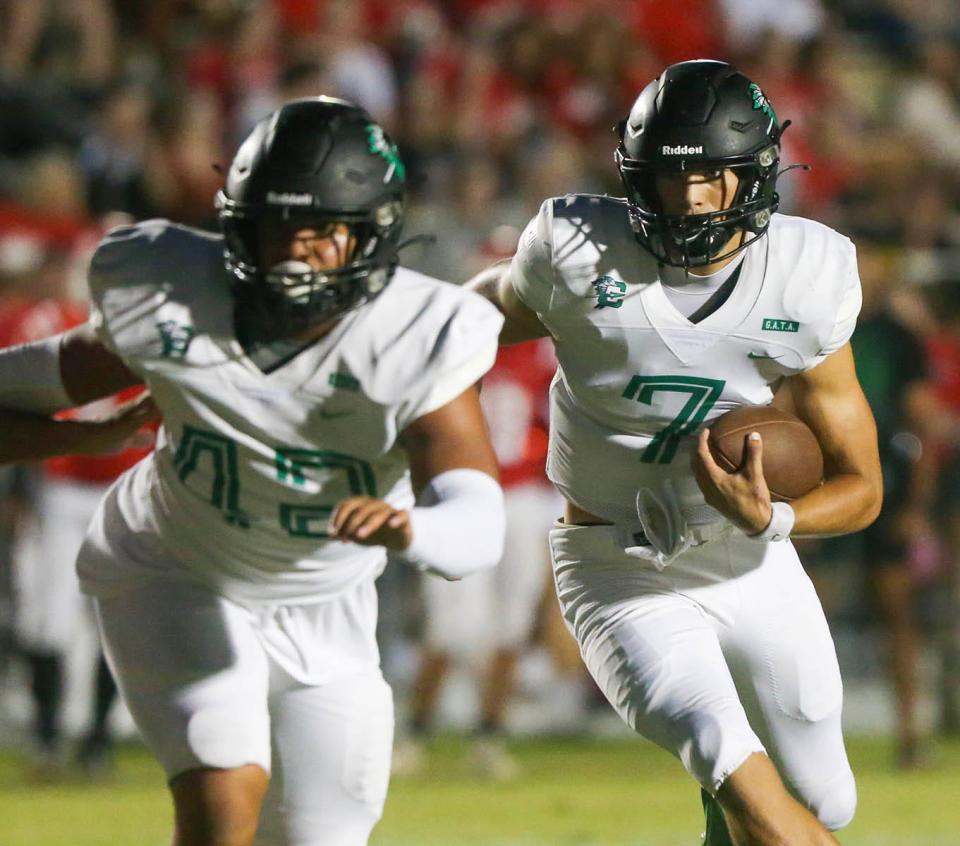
point(309, 388)
point(686, 299)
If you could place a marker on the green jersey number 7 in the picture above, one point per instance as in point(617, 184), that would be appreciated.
point(702, 395)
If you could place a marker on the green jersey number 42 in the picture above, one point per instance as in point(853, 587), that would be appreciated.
point(299, 520)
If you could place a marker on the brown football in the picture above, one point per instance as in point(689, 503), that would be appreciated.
point(792, 460)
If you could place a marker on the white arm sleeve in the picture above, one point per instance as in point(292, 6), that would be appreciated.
point(458, 524)
point(30, 379)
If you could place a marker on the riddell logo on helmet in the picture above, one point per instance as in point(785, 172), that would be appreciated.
point(682, 150)
point(288, 198)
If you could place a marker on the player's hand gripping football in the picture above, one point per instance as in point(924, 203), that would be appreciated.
point(371, 522)
point(741, 496)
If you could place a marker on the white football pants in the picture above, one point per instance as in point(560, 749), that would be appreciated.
point(295, 689)
point(724, 653)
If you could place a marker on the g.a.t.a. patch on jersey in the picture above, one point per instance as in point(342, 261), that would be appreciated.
point(774, 324)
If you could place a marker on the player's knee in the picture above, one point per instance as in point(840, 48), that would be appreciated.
point(838, 804)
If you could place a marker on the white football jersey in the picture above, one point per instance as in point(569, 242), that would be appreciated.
point(250, 465)
point(637, 380)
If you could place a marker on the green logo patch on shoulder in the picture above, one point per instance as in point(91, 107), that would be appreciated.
point(774, 324)
point(175, 338)
point(609, 292)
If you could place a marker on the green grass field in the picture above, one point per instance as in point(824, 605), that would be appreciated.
point(583, 792)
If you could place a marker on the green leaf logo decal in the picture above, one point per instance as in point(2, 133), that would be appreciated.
point(761, 103)
point(379, 146)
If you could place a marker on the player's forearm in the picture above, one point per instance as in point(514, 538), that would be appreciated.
point(32, 437)
point(843, 504)
point(829, 399)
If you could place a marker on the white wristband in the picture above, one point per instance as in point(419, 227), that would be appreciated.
point(782, 518)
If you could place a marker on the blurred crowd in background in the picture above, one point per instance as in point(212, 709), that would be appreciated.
point(113, 108)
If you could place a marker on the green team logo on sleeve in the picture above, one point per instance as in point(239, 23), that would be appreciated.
point(609, 292)
point(379, 146)
point(175, 338)
point(761, 103)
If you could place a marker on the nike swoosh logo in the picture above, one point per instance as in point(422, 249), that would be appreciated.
point(332, 415)
point(756, 356)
